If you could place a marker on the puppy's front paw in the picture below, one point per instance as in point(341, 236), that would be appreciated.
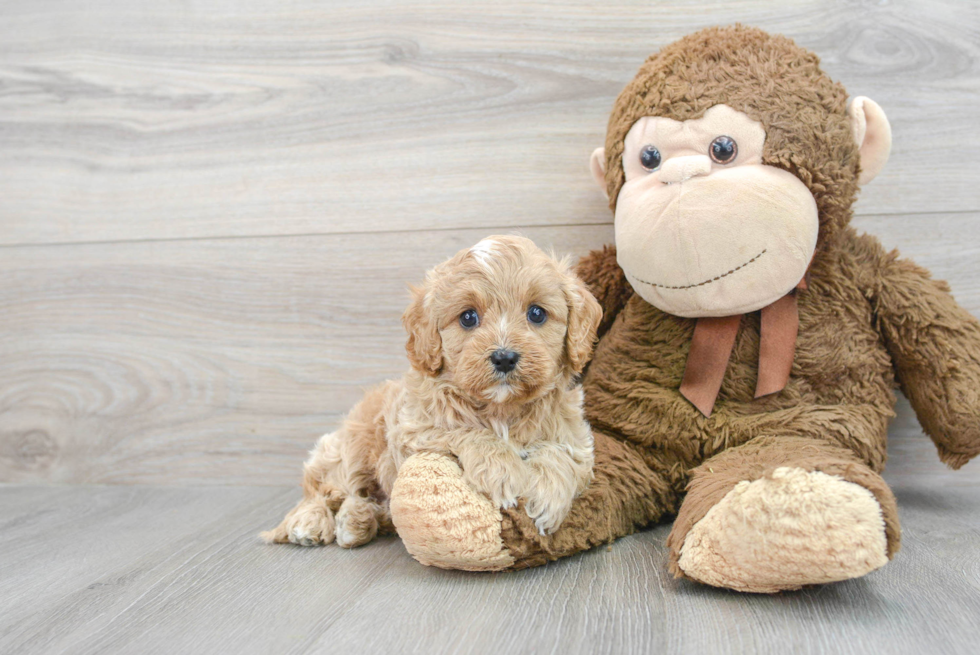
point(501, 477)
point(357, 522)
point(548, 507)
point(551, 489)
point(309, 524)
point(557, 473)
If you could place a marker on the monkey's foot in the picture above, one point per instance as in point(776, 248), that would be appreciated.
point(785, 531)
point(442, 521)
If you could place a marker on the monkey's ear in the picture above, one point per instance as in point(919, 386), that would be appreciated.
point(598, 167)
point(424, 345)
point(873, 135)
point(584, 314)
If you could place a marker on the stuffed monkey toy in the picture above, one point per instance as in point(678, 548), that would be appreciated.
point(751, 341)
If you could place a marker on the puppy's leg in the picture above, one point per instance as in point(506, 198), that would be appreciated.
point(387, 472)
point(491, 466)
point(311, 522)
point(341, 467)
point(357, 521)
point(557, 475)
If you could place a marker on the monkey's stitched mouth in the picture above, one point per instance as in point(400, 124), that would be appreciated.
point(701, 284)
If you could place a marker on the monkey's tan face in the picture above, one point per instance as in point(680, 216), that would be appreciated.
point(703, 227)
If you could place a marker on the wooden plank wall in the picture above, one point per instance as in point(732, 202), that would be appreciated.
point(209, 211)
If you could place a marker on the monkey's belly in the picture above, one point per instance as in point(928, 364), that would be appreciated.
point(841, 377)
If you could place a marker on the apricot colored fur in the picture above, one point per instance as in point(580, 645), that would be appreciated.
point(522, 434)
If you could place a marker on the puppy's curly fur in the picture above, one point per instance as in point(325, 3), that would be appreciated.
point(517, 434)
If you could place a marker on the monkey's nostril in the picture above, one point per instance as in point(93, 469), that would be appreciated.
point(504, 361)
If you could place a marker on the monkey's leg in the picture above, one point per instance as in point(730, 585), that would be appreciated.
point(444, 523)
point(778, 513)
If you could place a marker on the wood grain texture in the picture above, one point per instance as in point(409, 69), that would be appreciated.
point(130, 121)
point(168, 570)
point(220, 361)
point(214, 361)
point(209, 212)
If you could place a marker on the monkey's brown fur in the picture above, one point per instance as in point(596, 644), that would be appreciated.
point(869, 320)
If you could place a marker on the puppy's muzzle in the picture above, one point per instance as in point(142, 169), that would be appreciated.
point(504, 361)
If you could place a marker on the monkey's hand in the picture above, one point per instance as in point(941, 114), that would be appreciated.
point(607, 282)
point(935, 346)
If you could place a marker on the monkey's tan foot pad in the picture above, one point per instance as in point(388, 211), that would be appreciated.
point(792, 529)
point(442, 521)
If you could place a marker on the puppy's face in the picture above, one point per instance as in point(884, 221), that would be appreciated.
point(502, 321)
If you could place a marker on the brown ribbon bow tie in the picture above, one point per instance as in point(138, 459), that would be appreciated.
point(714, 339)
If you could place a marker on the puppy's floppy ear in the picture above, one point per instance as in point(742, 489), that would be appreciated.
point(424, 344)
point(584, 314)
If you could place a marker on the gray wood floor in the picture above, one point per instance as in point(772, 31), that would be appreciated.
point(153, 569)
point(209, 213)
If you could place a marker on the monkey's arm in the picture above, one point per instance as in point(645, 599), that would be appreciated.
point(607, 282)
point(935, 347)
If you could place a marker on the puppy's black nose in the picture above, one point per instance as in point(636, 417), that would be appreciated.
point(504, 360)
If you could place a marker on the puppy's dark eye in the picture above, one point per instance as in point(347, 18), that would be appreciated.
point(469, 319)
point(723, 150)
point(650, 158)
point(536, 315)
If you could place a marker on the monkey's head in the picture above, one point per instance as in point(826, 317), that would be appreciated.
point(731, 163)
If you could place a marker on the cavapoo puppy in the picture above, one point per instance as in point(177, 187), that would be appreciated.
point(496, 336)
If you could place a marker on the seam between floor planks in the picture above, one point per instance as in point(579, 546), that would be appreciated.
point(476, 228)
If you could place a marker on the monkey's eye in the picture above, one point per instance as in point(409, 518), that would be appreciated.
point(723, 150)
point(469, 319)
point(536, 315)
point(650, 158)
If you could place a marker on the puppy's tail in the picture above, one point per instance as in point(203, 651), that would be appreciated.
point(277, 535)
